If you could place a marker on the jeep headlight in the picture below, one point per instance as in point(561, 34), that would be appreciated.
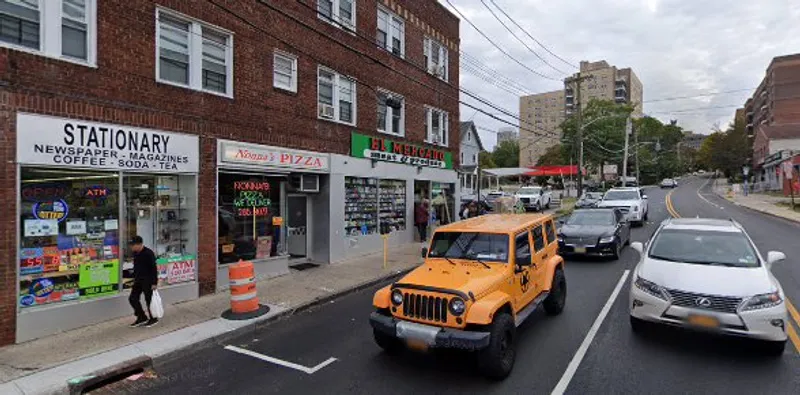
point(651, 288)
point(397, 297)
point(762, 301)
point(457, 306)
point(606, 239)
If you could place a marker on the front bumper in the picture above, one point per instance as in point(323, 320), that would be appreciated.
point(756, 324)
point(433, 336)
point(604, 249)
point(529, 203)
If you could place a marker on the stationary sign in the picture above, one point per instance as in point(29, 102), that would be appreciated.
point(362, 146)
point(177, 269)
point(51, 141)
point(263, 155)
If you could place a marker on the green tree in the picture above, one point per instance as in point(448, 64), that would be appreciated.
point(506, 154)
point(603, 133)
point(726, 151)
point(486, 160)
point(553, 156)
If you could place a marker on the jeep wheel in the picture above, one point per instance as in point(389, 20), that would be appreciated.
point(497, 359)
point(389, 344)
point(554, 303)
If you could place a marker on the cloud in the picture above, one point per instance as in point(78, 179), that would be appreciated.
point(676, 47)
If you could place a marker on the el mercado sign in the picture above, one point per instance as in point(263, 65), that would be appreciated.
point(362, 146)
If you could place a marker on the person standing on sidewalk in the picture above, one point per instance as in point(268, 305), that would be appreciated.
point(421, 217)
point(145, 279)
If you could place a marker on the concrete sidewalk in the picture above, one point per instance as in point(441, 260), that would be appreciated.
point(763, 203)
point(80, 357)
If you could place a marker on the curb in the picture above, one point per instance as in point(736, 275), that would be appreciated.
point(773, 215)
point(107, 374)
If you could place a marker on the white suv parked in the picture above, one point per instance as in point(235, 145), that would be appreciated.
point(707, 274)
point(534, 198)
point(631, 201)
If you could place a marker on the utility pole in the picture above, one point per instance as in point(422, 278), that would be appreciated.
point(636, 154)
point(628, 128)
point(578, 104)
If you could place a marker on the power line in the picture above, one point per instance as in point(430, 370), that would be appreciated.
point(497, 46)
point(519, 39)
point(532, 37)
point(699, 95)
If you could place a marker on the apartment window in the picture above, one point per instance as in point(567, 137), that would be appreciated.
point(469, 136)
point(391, 32)
point(193, 55)
point(22, 25)
point(474, 158)
point(284, 75)
point(336, 99)
point(462, 159)
point(436, 126)
point(436, 58)
point(391, 114)
point(338, 12)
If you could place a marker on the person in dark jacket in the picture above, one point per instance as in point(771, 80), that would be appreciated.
point(145, 279)
point(421, 217)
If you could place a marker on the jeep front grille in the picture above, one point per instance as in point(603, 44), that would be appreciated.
point(424, 307)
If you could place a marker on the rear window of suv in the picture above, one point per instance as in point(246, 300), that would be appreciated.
point(704, 247)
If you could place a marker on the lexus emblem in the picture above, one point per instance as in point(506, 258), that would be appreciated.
point(702, 302)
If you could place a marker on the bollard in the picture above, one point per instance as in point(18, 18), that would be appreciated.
point(244, 298)
point(385, 250)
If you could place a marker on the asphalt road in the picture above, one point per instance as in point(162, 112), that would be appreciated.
point(615, 362)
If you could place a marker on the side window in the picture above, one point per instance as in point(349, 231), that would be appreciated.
point(538, 238)
point(522, 245)
point(551, 232)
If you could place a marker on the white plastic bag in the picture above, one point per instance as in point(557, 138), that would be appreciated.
point(156, 308)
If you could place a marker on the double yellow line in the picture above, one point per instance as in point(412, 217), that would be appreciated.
point(793, 313)
point(670, 207)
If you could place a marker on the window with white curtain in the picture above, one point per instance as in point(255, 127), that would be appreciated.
point(436, 126)
point(391, 32)
point(336, 97)
point(391, 113)
point(23, 23)
point(341, 13)
point(284, 75)
point(436, 58)
point(193, 54)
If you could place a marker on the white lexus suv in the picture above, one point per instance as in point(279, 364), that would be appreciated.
point(631, 201)
point(707, 274)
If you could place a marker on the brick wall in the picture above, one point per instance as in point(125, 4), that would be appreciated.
point(122, 89)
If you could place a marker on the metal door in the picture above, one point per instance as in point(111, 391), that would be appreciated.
point(297, 225)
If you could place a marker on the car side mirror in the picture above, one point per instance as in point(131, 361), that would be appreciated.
point(424, 252)
point(638, 246)
point(775, 256)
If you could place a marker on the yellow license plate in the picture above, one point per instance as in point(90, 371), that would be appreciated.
point(580, 250)
point(418, 345)
point(704, 321)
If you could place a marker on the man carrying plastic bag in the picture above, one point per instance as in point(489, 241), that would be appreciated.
point(145, 280)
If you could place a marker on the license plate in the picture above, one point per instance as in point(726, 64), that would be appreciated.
point(580, 250)
point(418, 345)
point(703, 321)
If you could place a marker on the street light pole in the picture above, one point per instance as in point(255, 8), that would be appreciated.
point(628, 128)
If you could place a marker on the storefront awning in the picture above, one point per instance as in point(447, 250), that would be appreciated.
point(506, 171)
point(551, 171)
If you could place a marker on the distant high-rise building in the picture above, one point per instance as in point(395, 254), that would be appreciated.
point(542, 114)
point(506, 133)
point(693, 140)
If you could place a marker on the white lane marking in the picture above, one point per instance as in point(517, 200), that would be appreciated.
point(587, 341)
point(706, 200)
point(280, 361)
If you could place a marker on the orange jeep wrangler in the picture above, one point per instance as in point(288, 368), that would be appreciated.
point(481, 279)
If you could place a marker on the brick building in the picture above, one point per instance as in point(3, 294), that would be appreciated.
point(218, 130)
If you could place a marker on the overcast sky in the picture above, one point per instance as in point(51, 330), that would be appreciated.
point(676, 47)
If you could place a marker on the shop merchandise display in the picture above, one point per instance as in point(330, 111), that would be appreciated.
point(392, 206)
point(361, 206)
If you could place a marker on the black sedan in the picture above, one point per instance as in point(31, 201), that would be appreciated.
point(595, 232)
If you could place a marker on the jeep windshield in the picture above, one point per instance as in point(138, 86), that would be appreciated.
point(485, 247)
point(621, 195)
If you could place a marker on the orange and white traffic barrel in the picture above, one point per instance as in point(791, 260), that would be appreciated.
point(244, 296)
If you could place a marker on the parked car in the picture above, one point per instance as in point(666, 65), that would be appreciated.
point(535, 198)
point(668, 183)
point(631, 201)
point(594, 231)
point(707, 274)
point(481, 279)
point(494, 195)
point(589, 199)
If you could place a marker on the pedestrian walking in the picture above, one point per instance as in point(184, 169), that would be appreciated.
point(145, 280)
point(421, 217)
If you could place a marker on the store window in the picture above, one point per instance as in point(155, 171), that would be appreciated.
point(373, 206)
point(249, 218)
point(69, 228)
point(392, 202)
point(163, 211)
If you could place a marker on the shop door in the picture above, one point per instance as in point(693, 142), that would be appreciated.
point(297, 225)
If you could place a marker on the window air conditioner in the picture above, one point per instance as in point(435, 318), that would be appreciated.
point(304, 182)
point(326, 111)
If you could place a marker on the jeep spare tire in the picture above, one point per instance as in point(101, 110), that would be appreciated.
point(497, 359)
point(557, 298)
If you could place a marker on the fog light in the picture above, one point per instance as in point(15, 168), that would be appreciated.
point(458, 321)
point(637, 303)
point(394, 309)
point(777, 323)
